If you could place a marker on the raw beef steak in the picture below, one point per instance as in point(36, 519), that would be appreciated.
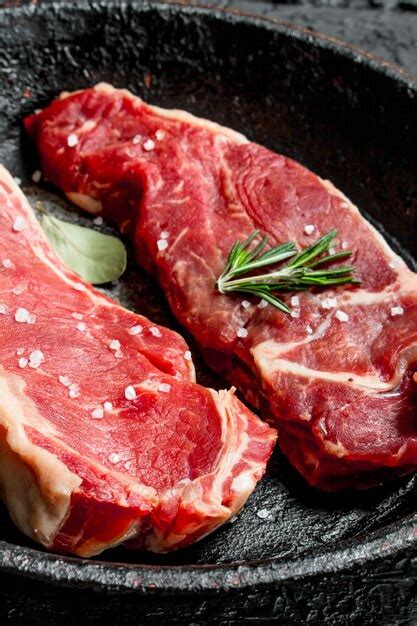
point(105, 436)
point(337, 376)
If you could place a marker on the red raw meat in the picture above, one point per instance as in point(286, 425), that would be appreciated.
point(104, 443)
point(337, 376)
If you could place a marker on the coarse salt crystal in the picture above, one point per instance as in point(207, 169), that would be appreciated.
point(135, 330)
point(164, 387)
point(77, 316)
point(130, 393)
point(3, 309)
point(72, 140)
point(164, 234)
point(341, 316)
point(155, 331)
point(245, 304)
point(98, 221)
point(107, 406)
point(187, 355)
point(74, 390)
point(18, 224)
point(391, 265)
point(160, 134)
point(17, 180)
point(18, 291)
point(328, 303)
point(263, 304)
point(97, 414)
point(31, 319)
point(23, 362)
point(396, 310)
point(79, 286)
point(332, 250)
point(114, 344)
point(309, 330)
point(81, 326)
point(136, 139)
point(264, 514)
point(118, 354)
point(36, 358)
point(64, 380)
point(309, 229)
point(7, 264)
point(21, 315)
point(295, 313)
point(36, 176)
point(295, 301)
point(114, 458)
point(242, 332)
point(20, 351)
point(149, 145)
point(162, 244)
point(344, 245)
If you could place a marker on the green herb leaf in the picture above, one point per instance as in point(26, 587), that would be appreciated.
point(304, 270)
point(95, 257)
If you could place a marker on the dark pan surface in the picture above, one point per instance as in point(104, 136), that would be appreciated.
point(332, 108)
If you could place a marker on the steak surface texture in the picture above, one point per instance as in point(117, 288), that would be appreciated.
point(104, 435)
point(336, 377)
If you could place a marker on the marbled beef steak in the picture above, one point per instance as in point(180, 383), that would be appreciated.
point(337, 375)
point(104, 435)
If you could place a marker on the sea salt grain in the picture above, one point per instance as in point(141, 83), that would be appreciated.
point(344, 245)
point(36, 358)
point(98, 221)
point(20, 351)
point(118, 354)
point(309, 330)
point(295, 313)
point(7, 264)
point(164, 234)
point(3, 309)
point(155, 331)
point(341, 316)
point(160, 134)
point(21, 316)
point(135, 330)
point(72, 140)
point(114, 344)
point(81, 327)
point(295, 301)
point(114, 458)
point(64, 380)
point(328, 303)
point(23, 362)
point(18, 224)
point(18, 291)
point(309, 229)
point(245, 304)
point(97, 414)
point(149, 145)
point(164, 387)
point(79, 286)
point(264, 514)
point(162, 244)
point(36, 176)
point(136, 139)
point(242, 332)
point(130, 393)
point(397, 310)
point(74, 390)
point(187, 355)
point(107, 406)
point(263, 304)
point(77, 316)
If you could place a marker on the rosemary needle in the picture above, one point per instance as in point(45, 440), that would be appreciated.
point(303, 269)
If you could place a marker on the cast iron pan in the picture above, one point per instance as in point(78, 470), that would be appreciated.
point(315, 557)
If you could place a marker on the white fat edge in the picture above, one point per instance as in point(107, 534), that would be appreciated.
point(85, 202)
point(268, 363)
point(36, 486)
point(399, 264)
point(175, 114)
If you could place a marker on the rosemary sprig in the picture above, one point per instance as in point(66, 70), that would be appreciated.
point(304, 270)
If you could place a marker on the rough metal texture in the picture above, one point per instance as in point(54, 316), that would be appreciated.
point(318, 557)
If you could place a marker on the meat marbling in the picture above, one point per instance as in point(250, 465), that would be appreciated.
point(337, 376)
point(85, 464)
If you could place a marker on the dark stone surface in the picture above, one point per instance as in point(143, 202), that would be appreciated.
point(345, 559)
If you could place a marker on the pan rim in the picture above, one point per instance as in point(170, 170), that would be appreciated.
point(81, 573)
